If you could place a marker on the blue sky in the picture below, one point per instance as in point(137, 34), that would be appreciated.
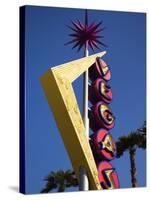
point(46, 33)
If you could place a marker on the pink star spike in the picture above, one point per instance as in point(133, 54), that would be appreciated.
point(85, 35)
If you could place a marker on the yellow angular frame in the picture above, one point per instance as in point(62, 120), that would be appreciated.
point(57, 84)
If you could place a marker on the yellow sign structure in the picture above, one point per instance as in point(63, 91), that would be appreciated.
point(57, 84)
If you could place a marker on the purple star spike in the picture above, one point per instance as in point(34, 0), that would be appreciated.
point(86, 35)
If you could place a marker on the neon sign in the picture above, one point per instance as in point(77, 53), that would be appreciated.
point(99, 70)
point(99, 90)
point(107, 175)
point(58, 81)
point(101, 120)
point(103, 144)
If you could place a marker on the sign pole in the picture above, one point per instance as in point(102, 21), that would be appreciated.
point(83, 178)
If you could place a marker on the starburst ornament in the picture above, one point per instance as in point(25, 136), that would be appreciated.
point(86, 35)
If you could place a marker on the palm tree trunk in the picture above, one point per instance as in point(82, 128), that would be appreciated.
point(133, 167)
point(61, 187)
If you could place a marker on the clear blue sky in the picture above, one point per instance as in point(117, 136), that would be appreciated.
point(46, 33)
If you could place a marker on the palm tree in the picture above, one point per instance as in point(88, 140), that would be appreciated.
point(60, 180)
point(142, 130)
point(130, 143)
